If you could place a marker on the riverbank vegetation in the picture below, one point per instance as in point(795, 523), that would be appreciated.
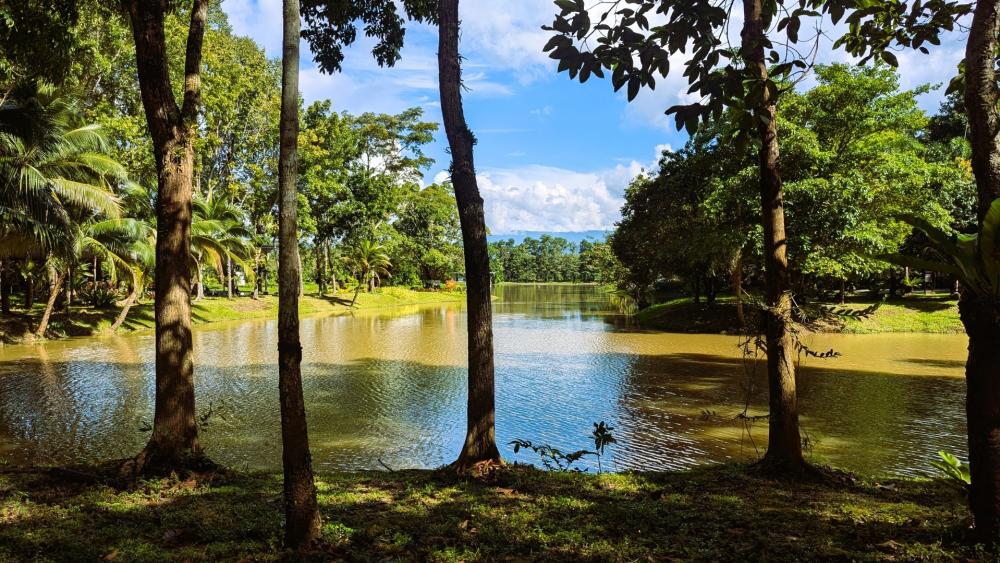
point(934, 314)
point(86, 321)
point(706, 514)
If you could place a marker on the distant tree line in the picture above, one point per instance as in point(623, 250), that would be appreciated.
point(553, 259)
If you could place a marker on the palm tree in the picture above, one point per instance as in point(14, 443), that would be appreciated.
point(52, 169)
point(370, 261)
point(51, 166)
point(218, 236)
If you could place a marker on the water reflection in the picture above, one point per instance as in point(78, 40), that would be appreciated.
point(390, 386)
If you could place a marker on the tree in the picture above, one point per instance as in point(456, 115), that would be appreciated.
point(53, 168)
point(979, 307)
point(218, 235)
point(429, 224)
point(370, 262)
point(480, 441)
point(174, 439)
point(747, 80)
point(302, 519)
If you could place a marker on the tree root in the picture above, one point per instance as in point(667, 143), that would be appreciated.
point(150, 464)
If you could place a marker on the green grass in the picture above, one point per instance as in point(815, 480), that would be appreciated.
point(712, 513)
point(914, 313)
point(84, 321)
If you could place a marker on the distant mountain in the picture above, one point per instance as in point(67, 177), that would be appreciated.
point(573, 236)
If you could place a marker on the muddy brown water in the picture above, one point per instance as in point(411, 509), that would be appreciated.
point(389, 385)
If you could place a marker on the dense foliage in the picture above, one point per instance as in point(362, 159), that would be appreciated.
point(76, 157)
point(858, 152)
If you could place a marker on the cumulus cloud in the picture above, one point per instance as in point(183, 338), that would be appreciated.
point(547, 198)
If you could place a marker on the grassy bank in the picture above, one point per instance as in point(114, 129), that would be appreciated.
point(714, 513)
point(916, 313)
point(85, 321)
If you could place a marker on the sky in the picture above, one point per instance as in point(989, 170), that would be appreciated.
point(553, 154)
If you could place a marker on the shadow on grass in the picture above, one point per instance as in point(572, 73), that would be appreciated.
point(710, 513)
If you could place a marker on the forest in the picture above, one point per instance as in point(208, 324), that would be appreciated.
point(240, 322)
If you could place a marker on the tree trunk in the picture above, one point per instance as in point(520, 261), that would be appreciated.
point(302, 519)
point(174, 439)
point(981, 318)
point(55, 285)
point(68, 290)
point(320, 270)
point(737, 281)
point(229, 277)
point(981, 98)
point(201, 283)
point(301, 283)
point(480, 441)
point(333, 273)
point(29, 293)
point(981, 313)
point(129, 301)
point(784, 451)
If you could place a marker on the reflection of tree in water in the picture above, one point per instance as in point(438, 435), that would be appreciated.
point(870, 422)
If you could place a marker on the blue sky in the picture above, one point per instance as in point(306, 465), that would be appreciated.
point(553, 155)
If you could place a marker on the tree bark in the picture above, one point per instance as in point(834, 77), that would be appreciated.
point(981, 313)
point(737, 281)
point(55, 285)
point(174, 439)
point(123, 314)
point(981, 98)
point(784, 451)
point(320, 270)
point(480, 440)
point(229, 277)
point(981, 318)
point(201, 284)
point(302, 520)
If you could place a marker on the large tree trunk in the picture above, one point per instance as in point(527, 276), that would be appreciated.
point(784, 450)
point(982, 406)
point(981, 313)
point(229, 277)
point(301, 511)
point(981, 98)
point(55, 286)
point(480, 441)
point(174, 439)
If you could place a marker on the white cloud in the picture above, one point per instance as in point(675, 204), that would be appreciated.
point(547, 198)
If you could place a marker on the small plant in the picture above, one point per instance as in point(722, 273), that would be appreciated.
point(100, 295)
point(956, 472)
point(555, 459)
point(602, 438)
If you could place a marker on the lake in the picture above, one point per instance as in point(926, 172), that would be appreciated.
point(388, 387)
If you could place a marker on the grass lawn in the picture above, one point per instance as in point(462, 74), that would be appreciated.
point(914, 313)
point(712, 513)
point(83, 321)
